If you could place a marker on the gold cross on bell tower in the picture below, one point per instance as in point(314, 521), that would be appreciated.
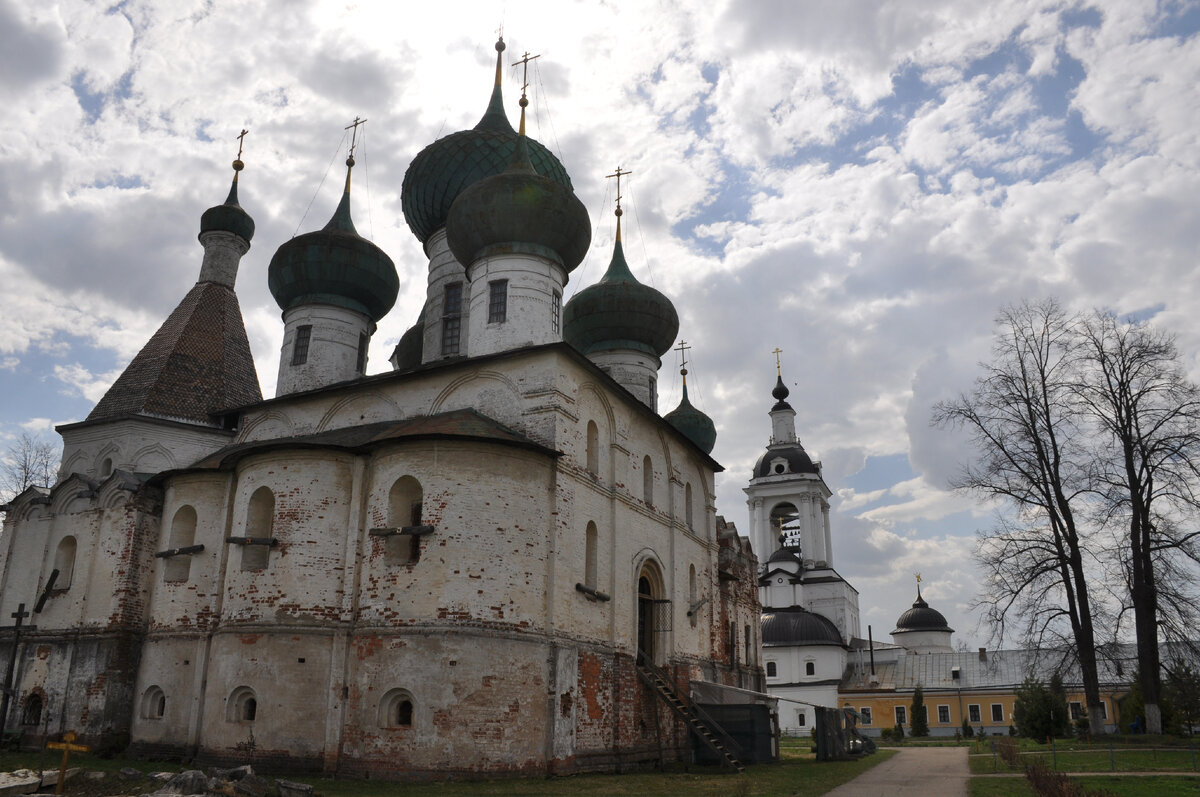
point(778, 351)
point(241, 140)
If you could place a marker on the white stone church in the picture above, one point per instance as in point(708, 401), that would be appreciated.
point(453, 567)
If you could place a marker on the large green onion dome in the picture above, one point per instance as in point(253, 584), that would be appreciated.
point(442, 170)
point(229, 217)
point(518, 210)
point(334, 265)
point(618, 312)
point(407, 354)
point(692, 423)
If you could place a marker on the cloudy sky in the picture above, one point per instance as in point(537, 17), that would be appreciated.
point(861, 184)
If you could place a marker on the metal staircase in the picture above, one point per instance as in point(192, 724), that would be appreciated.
point(706, 730)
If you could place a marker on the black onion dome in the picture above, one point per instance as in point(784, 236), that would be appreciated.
point(618, 312)
point(797, 626)
point(798, 461)
point(921, 618)
point(442, 170)
point(780, 394)
point(407, 354)
point(692, 423)
point(519, 210)
point(228, 217)
point(336, 266)
point(783, 554)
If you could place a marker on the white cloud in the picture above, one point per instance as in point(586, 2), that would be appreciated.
point(862, 185)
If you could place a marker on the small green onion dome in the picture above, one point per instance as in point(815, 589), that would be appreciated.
point(519, 210)
point(334, 265)
point(442, 170)
point(407, 354)
point(229, 217)
point(693, 424)
point(618, 312)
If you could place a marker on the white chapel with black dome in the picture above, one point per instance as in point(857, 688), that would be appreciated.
point(811, 632)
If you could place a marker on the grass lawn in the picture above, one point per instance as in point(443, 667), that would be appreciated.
point(1094, 760)
point(1154, 786)
point(797, 774)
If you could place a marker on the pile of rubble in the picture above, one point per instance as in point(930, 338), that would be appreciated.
point(237, 782)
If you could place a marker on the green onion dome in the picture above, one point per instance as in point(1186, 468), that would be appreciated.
point(407, 354)
point(692, 423)
point(334, 265)
point(442, 170)
point(229, 217)
point(618, 312)
point(519, 210)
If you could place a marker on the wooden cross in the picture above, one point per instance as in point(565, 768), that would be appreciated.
point(354, 136)
point(618, 174)
point(524, 62)
point(19, 615)
point(68, 746)
point(778, 351)
point(241, 140)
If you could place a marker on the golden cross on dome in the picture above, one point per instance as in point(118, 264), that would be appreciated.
point(778, 351)
point(619, 173)
point(918, 575)
point(241, 140)
point(354, 136)
point(524, 62)
point(682, 348)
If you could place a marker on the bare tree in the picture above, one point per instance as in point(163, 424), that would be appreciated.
point(29, 461)
point(1148, 414)
point(1028, 423)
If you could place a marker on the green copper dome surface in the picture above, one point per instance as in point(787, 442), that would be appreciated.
point(228, 217)
point(407, 354)
point(519, 209)
point(618, 312)
point(442, 170)
point(334, 266)
point(693, 424)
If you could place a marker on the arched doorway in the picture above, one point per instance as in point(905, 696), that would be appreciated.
point(653, 614)
point(645, 621)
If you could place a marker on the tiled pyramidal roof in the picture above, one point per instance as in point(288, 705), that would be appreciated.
point(197, 364)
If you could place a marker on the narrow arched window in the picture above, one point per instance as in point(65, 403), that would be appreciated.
point(648, 481)
point(183, 534)
point(593, 448)
point(404, 510)
point(260, 523)
point(590, 565)
point(687, 504)
point(64, 562)
point(810, 668)
point(396, 709)
point(242, 705)
point(154, 703)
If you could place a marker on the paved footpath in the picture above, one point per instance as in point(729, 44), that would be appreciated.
point(913, 772)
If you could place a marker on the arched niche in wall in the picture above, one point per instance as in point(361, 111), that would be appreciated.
point(405, 508)
point(260, 522)
point(183, 534)
point(64, 562)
